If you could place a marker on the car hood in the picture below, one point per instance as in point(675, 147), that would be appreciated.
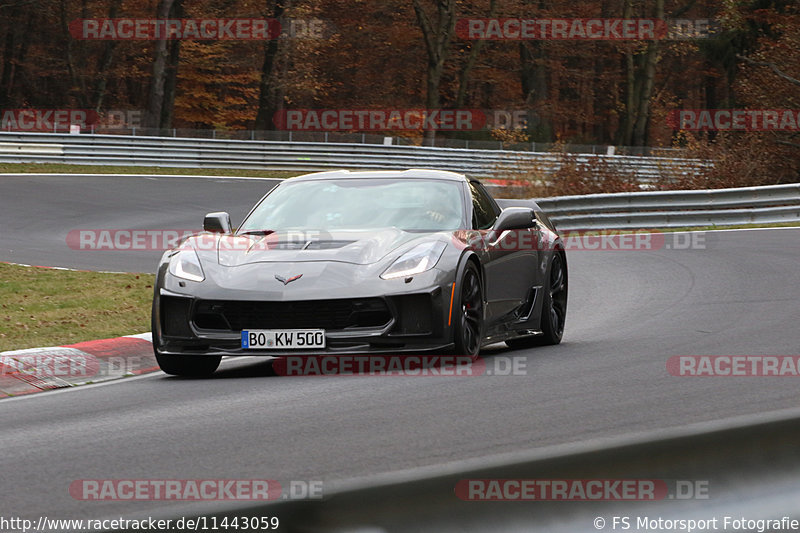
point(355, 247)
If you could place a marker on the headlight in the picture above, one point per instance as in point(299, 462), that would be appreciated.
point(185, 264)
point(415, 261)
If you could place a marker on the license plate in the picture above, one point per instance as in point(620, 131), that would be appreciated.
point(282, 339)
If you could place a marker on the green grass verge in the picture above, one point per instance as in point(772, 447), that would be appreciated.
point(60, 168)
point(46, 307)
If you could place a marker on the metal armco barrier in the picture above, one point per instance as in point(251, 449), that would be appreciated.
point(653, 209)
point(670, 209)
point(307, 156)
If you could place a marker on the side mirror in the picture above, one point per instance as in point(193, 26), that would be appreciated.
point(515, 218)
point(219, 222)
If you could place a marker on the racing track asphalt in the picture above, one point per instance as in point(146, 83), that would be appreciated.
point(629, 311)
point(38, 212)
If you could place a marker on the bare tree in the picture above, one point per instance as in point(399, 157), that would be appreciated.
point(155, 99)
point(171, 71)
point(469, 64)
point(437, 34)
point(105, 61)
point(269, 97)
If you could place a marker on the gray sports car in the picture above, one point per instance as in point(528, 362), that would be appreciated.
point(360, 263)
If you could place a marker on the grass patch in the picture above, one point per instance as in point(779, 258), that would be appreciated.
point(62, 168)
point(45, 307)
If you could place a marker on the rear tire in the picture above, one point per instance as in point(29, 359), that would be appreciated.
point(195, 366)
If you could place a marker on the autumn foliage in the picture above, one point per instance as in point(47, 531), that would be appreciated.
point(406, 54)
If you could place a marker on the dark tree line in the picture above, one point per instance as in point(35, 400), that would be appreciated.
point(406, 55)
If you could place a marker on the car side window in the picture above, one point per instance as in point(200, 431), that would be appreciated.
point(484, 212)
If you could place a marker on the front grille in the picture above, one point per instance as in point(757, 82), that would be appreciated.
point(326, 314)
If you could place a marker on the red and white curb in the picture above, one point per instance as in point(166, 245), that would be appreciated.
point(39, 369)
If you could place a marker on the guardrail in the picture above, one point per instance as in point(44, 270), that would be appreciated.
point(308, 156)
point(670, 209)
point(742, 468)
point(365, 138)
point(771, 204)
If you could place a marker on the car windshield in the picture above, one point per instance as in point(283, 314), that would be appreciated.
point(360, 204)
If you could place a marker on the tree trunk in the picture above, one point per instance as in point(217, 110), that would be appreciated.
point(7, 74)
point(19, 29)
point(155, 99)
point(104, 64)
point(533, 75)
point(78, 82)
point(268, 98)
point(171, 75)
point(625, 137)
point(466, 72)
point(646, 90)
point(437, 45)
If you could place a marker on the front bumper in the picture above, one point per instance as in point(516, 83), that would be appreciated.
point(406, 322)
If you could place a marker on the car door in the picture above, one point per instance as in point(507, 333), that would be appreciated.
point(509, 258)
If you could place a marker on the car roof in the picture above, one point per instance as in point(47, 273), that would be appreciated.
point(413, 173)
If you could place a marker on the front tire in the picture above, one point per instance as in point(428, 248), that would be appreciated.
point(468, 331)
point(195, 366)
